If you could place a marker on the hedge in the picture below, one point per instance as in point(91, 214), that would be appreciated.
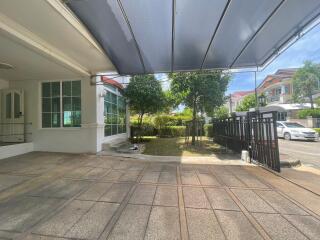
point(317, 130)
point(309, 112)
point(208, 130)
point(172, 131)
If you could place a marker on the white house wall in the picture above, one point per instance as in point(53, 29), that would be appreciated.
point(4, 84)
point(73, 140)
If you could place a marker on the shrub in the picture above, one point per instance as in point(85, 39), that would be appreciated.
point(309, 112)
point(208, 130)
point(172, 131)
point(317, 130)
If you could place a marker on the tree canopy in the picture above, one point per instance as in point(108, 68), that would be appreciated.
point(145, 95)
point(306, 82)
point(201, 91)
point(248, 102)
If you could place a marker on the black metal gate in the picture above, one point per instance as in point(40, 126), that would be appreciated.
point(255, 132)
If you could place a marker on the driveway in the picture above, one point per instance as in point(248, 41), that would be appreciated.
point(59, 196)
point(307, 152)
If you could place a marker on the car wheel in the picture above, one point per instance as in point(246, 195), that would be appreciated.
point(287, 136)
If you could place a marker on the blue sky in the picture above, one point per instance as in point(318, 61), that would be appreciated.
point(306, 48)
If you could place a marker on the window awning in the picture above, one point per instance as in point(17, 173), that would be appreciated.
point(150, 36)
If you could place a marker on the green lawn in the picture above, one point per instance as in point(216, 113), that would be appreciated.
point(177, 147)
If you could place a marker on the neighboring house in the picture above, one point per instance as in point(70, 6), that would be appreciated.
point(50, 96)
point(277, 87)
point(235, 99)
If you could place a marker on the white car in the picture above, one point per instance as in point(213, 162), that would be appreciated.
point(292, 130)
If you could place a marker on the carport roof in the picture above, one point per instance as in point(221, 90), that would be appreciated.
point(144, 36)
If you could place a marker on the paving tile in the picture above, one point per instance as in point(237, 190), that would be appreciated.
point(78, 172)
point(7, 181)
point(220, 199)
point(195, 198)
point(277, 227)
point(168, 177)
point(22, 213)
point(61, 189)
point(187, 168)
point(169, 168)
point(280, 203)
point(166, 196)
point(252, 201)
point(8, 235)
point(129, 176)
point(150, 177)
point(154, 168)
point(40, 237)
point(95, 192)
point(137, 166)
point(143, 194)
point(203, 225)
point(163, 224)
point(208, 179)
point(132, 223)
point(91, 225)
point(113, 175)
point(236, 226)
point(231, 181)
point(123, 165)
point(220, 170)
point(116, 193)
point(189, 178)
point(309, 225)
point(96, 173)
point(60, 223)
point(251, 181)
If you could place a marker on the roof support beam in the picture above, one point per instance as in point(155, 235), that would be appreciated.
point(256, 33)
point(132, 34)
point(215, 32)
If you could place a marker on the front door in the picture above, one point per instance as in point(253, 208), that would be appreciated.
point(12, 116)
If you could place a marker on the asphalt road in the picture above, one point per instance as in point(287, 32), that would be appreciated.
point(307, 152)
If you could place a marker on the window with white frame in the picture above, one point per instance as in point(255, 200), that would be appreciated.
point(61, 104)
point(114, 112)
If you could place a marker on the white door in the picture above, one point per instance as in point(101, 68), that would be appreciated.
point(12, 114)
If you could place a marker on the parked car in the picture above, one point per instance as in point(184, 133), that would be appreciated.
point(293, 130)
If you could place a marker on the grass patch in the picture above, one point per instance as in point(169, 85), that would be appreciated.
point(177, 147)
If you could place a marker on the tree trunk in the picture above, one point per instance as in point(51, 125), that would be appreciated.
point(194, 117)
point(140, 118)
point(311, 101)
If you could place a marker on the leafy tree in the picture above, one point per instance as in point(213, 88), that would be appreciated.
point(200, 91)
point(305, 82)
point(221, 112)
point(145, 96)
point(248, 102)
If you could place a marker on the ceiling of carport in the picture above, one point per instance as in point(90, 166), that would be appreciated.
point(151, 36)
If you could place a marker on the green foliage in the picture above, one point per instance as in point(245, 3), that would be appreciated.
point(309, 112)
point(317, 130)
point(317, 101)
point(161, 121)
point(208, 130)
point(172, 131)
point(145, 95)
point(248, 102)
point(221, 112)
point(305, 82)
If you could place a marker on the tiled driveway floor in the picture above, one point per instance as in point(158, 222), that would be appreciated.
point(58, 196)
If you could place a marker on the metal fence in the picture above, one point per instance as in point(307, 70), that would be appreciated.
point(255, 132)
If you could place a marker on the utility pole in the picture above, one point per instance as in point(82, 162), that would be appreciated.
point(255, 89)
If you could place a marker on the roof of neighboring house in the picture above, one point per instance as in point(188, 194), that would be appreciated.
point(112, 82)
point(285, 107)
point(239, 94)
point(279, 75)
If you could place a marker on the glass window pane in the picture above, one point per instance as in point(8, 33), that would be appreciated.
point(114, 98)
point(66, 89)
point(114, 129)
point(56, 104)
point(46, 120)
point(76, 104)
point(46, 89)
point(107, 130)
point(76, 119)
point(67, 118)
point(55, 88)
point(109, 109)
point(67, 104)
point(114, 109)
point(76, 88)
point(55, 120)
point(17, 109)
point(8, 105)
point(46, 105)
point(109, 118)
